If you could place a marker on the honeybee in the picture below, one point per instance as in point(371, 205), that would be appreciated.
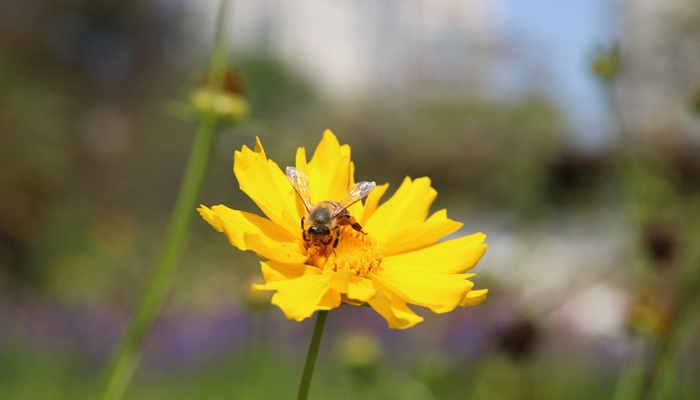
point(321, 225)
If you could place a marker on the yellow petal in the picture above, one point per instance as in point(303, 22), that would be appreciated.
point(215, 221)
point(372, 202)
point(264, 182)
point(474, 297)
point(234, 223)
point(408, 207)
point(339, 280)
point(421, 235)
point(329, 170)
point(394, 310)
point(290, 253)
point(416, 269)
point(330, 300)
point(361, 289)
point(449, 257)
point(300, 297)
point(275, 271)
point(251, 232)
point(352, 286)
point(438, 292)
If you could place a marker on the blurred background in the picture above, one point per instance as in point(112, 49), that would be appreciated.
point(568, 132)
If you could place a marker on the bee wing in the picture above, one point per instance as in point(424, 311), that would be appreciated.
point(356, 193)
point(300, 183)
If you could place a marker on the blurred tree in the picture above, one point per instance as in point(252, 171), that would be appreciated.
point(34, 164)
point(485, 153)
point(74, 76)
point(273, 89)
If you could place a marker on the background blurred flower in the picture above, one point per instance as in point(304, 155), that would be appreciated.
point(397, 261)
point(360, 352)
point(648, 315)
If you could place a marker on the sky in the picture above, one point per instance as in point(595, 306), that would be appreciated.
point(565, 34)
point(557, 36)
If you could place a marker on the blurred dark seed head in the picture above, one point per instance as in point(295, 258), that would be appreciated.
point(519, 339)
point(660, 242)
point(605, 63)
point(572, 174)
point(687, 166)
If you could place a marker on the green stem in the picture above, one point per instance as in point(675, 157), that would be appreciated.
point(311, 355)
point(125, 359)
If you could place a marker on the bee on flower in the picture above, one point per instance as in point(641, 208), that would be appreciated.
point(325, 218)
point(322, 246)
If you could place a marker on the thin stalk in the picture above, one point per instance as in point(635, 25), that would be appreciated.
point(311, 355)
point(627, 163)
point(125, 359)
point(628, 386)
point(632, 380)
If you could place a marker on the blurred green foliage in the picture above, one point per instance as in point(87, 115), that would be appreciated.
point(90, 164)
point(260, 374)
point(274, 91)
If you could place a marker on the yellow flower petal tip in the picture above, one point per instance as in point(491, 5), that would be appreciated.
point(474, 297)
point(209, 216)
point(326, 240)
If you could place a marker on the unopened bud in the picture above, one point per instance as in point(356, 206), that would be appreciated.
point(605, 63)
point(225, 105)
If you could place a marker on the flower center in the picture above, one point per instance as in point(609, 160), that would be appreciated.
point(355, 252)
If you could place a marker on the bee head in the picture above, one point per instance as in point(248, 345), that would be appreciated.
point(319, 230)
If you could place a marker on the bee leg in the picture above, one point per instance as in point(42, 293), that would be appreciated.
point(337, 237)
point(356, 226)
point(348, 219)
point(304, 234)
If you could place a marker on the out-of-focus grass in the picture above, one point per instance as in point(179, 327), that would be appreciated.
point(27, 373)
point(30, 373)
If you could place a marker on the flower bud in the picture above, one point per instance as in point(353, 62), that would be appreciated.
point(225, 105)
point(605, 63)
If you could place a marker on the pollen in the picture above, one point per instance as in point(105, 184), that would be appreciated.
point(356, 251)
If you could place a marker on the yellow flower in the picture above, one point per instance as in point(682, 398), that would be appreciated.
point(398, 261)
